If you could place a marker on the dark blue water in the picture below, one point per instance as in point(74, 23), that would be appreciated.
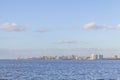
point(59, 70)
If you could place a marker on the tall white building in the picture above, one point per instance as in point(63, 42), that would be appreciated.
point(93, 57)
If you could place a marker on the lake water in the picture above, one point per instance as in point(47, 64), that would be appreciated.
point(59, 70)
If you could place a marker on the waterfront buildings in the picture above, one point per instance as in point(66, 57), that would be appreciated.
point(73, 57)
point(93, 57)
point(96, 57)
point(69, 57)
point(100, 56)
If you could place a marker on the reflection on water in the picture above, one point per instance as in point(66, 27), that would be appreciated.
point(59, 70)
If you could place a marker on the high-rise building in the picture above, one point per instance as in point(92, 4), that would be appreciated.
point(93, 57)
point(100, 56)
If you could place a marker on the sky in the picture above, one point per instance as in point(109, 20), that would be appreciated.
point(30, 28)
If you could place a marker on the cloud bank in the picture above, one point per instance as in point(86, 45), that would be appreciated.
point(93, 25)
point(12, 27)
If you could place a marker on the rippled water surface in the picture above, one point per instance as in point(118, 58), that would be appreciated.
point(59, 70)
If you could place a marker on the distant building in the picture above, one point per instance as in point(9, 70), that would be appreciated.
point(100, 56)
point(115, 56)
point(93, 57)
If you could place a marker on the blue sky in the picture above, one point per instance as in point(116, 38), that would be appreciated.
point(59, 27)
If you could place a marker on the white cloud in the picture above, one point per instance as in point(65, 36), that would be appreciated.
point(89, 25)
point(12, 27)
point(118, 26)
point(93, 25)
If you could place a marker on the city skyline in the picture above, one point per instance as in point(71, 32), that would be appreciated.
point(80, 27)
point(72, 57)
